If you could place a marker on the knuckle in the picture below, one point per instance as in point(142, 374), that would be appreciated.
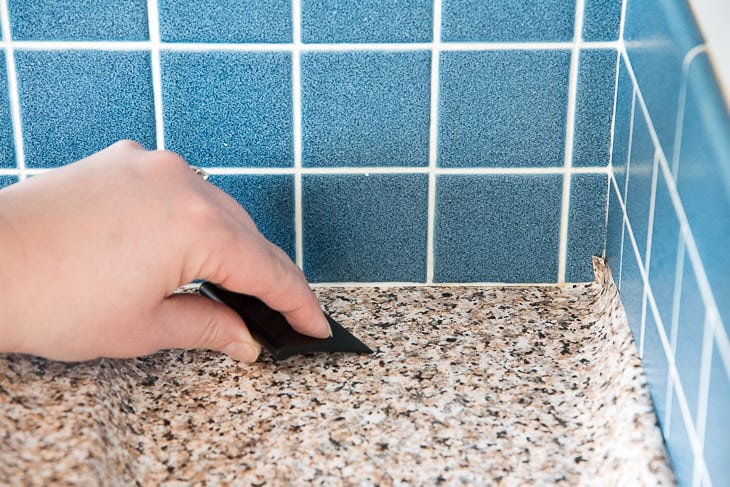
point(128, 144)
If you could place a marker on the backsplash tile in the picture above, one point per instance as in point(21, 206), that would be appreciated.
point(703, 177)
point(325, 21)
point(602, 19)
point(507, 20)
point(510, 223)
point(225, 20)
point(503, 108)
point(656, 366)
point(587, 224)
point(365, 108)
point(657, 36)
point(594, 107)
point(632, 286)
point(250, 123)
point(79, 20)
point(341, 214)
point(7, 180)
point(622, 124)
point(717, 441)
point(638, 189)
point(75, 103)
point(7, 146)
point(680, 118)
point(664, 249)
point(688, 340)
point(274, 214)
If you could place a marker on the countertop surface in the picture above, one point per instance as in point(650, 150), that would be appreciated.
point(476, 386)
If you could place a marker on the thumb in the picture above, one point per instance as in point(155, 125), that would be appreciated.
point(192, 321)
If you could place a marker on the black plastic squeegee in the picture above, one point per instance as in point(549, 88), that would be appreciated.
point(271, 330)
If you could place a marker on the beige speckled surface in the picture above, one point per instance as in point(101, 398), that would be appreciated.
point(522, 385)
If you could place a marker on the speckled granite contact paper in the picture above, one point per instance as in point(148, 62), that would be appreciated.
point(473, 386)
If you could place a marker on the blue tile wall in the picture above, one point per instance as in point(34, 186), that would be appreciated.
point(7, 147)
point(594, 108)
point(274, 213)
point(7, 180)
point(622, 123)
point(225, 21)
point(365, 108)
point(656, 366)
point(503, 108)
point(703, 176)
point(79, 20)
point(602, 19)
point(507, 20)
point(587, 225)
point(325, 21)
point(340, 213)
point(680, 117)
point(717, 441)
point(74, 103)
point(510, 223)
point(250, 123)
point(614, 233)
point(658, 35)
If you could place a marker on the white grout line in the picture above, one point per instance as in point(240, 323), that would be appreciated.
point(705, 371)
point(681, 102)
point(465, 171)
point(297, 131)
point(154, 28)
point(334, 47)
point(649, 238)
point(569, 133)
point(674, 330)
point(433, 140)
point(13, 93)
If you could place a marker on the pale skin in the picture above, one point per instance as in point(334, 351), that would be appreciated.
point(91, 253)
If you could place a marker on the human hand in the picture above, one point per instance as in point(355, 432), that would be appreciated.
point(90, 254)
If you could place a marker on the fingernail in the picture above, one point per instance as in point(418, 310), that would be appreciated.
point(243, 351)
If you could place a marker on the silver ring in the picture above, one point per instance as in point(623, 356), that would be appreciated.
point(204, 175)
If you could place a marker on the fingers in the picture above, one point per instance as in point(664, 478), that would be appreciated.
point(253, 265)
point(189, 321)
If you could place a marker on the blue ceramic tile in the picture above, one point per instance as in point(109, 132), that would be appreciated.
point(75, 103)
point(7, 147)
point(367, 21)
point(664, 247)
point(228, 108)
point(656, 366)
point(270, 202)
point(79, 20)
point(717, 441)
point(679, 447)
point(225, 20)
point(507, 20)
point(601, 20)
point(7, 180)
point(658, 35)
point(614, 235)
point(703, 177)
point(638, 191)
point(622, 126)
point(503, 108)
point(365, 109)
point(587, 225)
point(632, 287)
point(594, 107)
point(360, 228)
point(497, 228)
point(690, 328)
